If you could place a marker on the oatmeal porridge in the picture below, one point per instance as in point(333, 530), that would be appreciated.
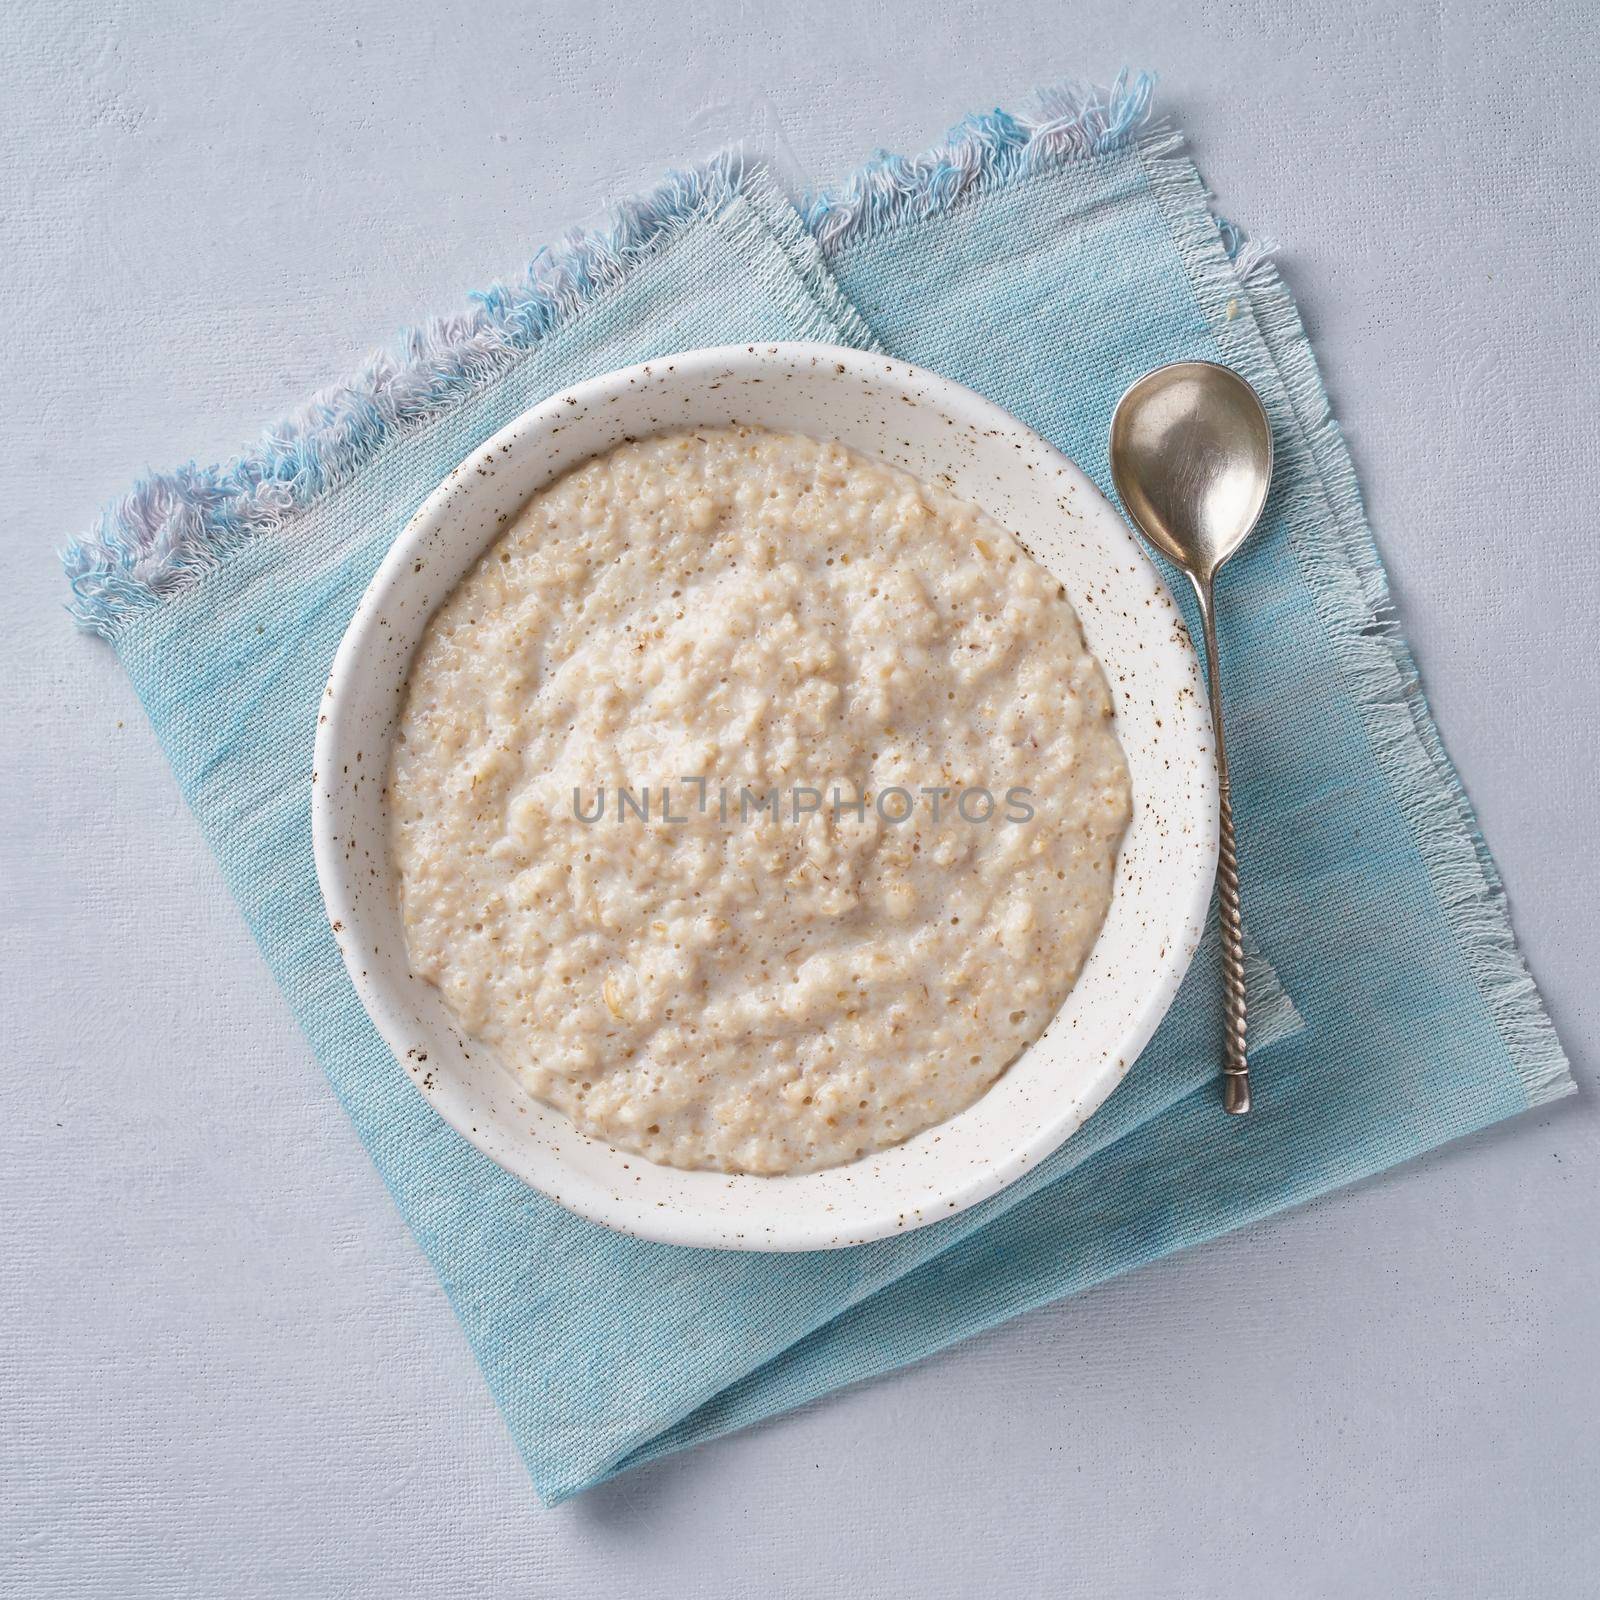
point(755, 802)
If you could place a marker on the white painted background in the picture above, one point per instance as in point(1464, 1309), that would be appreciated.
point(224, 1367)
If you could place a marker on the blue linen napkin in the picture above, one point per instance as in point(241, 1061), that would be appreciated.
point(1045, 261)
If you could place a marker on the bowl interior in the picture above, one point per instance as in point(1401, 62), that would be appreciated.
point(937, 431)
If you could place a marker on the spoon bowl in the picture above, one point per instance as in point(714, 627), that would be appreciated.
point(1191, 454)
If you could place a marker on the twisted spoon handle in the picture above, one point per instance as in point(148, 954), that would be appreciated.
point(1236, 1061)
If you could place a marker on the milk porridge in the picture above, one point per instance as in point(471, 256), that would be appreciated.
point(755, 802)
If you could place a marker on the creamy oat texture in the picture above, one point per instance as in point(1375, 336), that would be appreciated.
point(763, 612)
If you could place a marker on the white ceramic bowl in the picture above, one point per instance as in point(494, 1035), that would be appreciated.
point(933, 429)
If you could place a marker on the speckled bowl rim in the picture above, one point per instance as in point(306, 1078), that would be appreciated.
point(356, 876)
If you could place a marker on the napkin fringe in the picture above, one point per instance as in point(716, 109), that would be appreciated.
point(173, 527)
point(1361, 619)
point(1245, 250)
point(982, 152)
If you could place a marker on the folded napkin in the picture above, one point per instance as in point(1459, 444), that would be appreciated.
point(1045, 261)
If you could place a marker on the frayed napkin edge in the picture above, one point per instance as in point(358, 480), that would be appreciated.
point(986, 151)
point(1237, 284)
point(173, 527)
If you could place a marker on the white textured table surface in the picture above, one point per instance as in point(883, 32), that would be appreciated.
point(224, 1367)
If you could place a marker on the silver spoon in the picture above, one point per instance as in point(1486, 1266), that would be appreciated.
point(1191, 456)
